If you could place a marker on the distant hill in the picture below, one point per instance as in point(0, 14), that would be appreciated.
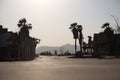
point(63, 48)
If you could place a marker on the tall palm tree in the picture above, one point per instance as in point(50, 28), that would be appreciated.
point(75, 33)
point(79, 29)
point(24, 27)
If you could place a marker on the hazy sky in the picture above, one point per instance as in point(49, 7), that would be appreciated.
point(51, 18)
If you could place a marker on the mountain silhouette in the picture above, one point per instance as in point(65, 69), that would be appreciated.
point(64, 48)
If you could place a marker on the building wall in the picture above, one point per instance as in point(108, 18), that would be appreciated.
point(27, 48)
point(100, 44)
point(15, 46)
point(8, 45)
point(117, 44)
point(106, 46)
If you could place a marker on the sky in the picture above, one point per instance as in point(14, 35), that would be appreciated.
point(51, 19)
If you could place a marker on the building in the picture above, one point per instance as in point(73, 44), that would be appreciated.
point(106, 44)
point(14, 46)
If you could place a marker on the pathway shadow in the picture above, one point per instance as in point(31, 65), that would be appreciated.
point(90, 57)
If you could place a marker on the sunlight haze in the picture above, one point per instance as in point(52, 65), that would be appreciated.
point(51, 19)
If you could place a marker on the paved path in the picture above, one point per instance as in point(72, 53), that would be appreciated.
point(61, 68)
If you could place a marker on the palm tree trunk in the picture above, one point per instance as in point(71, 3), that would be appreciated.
point(75, 45)
point(80, 43)
point(81, 47)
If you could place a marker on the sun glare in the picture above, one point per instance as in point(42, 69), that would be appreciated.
point(43, 2)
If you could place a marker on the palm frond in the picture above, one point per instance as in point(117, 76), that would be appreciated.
point(105, 25)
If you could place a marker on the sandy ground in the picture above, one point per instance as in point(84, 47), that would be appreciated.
point(61, 68)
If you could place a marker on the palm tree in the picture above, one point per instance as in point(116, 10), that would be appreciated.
point(84, 45)
point(75, 33)
point(89, 39)
point(108, 30)
point(90, 43)
point(24, 27)
point(105, 25)
point(79, 29)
